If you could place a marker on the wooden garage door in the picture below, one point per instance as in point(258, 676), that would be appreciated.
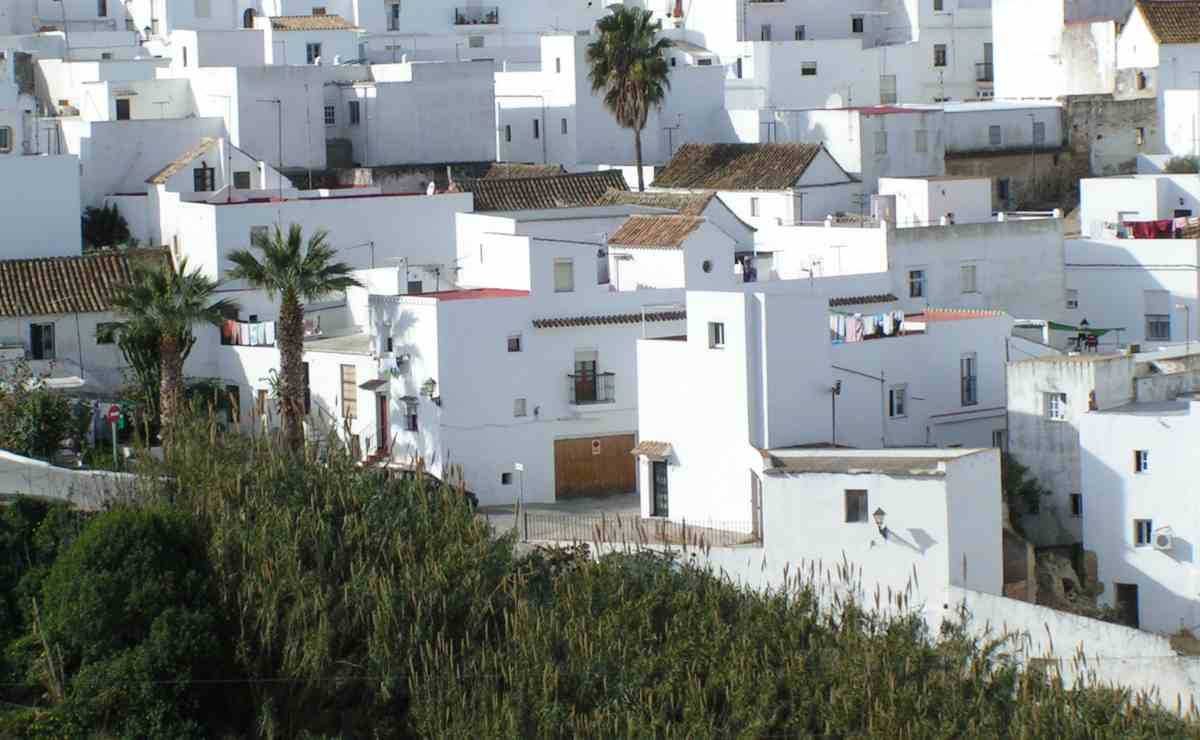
point(594, 466)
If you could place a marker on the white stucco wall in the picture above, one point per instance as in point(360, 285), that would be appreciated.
point(44, 220)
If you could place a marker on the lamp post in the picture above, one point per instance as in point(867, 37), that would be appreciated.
point(835, 391)
point(1187, 327)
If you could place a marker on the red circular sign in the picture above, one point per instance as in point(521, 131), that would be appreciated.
point(114, 413)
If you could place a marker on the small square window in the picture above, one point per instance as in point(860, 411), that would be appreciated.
point(764, 33)
point(856, 24)
point(916, 283)
point(352, 108)
point(995, 136)
point(1000, 439)
point(1143, 532)
point(1141, 461)
point(716, 335)
point(808, 69)
point(800, 33)
point(537, 129)
point(518, 407)
point(241, 180)
point(475, 42)
point(6, 138)
point(558, 65)
point(564, 127)
point(1139, 135)
point(1076, 505)
point(508, 133)
point(898, 401)
point(1055, 406)
point(312, 53)
point(856, 506)
point(968, 273)
point(1158, 327)
point(330, 115)
point(506, 479)
point(939, 55)
point(204, 179)
point(1003, 190)
point(755, 211)
point(514, 342)
point(410, 416)
point(1072, 296)
point(564, 276)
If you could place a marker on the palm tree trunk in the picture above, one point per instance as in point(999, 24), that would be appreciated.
point(290, 337)
point(170, 386)
point(637, 158)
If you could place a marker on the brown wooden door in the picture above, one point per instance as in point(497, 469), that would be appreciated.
point(594, 466)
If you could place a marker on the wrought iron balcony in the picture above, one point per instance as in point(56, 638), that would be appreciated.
point(983, 72)
point(591, 388)
point(485, 16)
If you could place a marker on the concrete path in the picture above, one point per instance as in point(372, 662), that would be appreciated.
point(87, 489)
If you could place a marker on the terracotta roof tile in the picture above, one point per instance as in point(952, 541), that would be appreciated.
point(173, 167)
point(651, 448)
point(59, 285)
point(862, 300)
point(687, 204)
point(572, 190)
point(311, 23)
point(655, 232)
point(737, 166)
point(608, 319)
point(954, 314)
point(510, 170)
point(1172, 21)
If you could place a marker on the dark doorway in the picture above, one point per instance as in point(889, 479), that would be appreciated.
point(122, 109)
point(248, 18)
point(1127, 603)
point(381, 403)
point(1183, 212)
point(658, 472)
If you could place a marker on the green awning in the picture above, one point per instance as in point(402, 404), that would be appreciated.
point(1094, 331)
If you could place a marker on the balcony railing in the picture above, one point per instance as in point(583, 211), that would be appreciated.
point(983, 72)
point(489, 16)
point(591, 388)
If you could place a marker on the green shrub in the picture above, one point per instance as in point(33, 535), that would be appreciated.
point(34, 418)
point(1188, 165)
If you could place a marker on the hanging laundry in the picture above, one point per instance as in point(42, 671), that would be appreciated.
point(269, 335)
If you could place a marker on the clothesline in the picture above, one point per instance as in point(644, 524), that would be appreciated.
point(846, 328)
point(1182, 227)
point(248, 334)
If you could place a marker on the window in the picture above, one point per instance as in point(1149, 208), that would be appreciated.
point(241, 180)
point(1072, 298)
point(1143, 532)
point(1039, 133)
point(1055, 406)
point(1158, 327)
point(939, 55)
point(514, 342)
point(881, 142)
point(204, 178)
point(856, 506)
point(123, 109)
point(1139, 135)
point(349, 392)
point(415, 287)
point(921, 144)
point(564, 127)
point(887, 89)
point(410, 415)
point(184, 56)
point(856, 24)
point(755, 211)
point(602, 276)
point(807, 69)
point(102, 8)
point(898, 401)
point(1140, 80)
point(969, 374)
point(41, 341)
point(6, 138)
point(995, 136)
point(564, 276)
point(764, 33)
point(916, 283)
point(508, 133)
point(716, 335)
point(312, 52)
point(330, 115)
point(389, 345)
point(1141, 461)
point(506, 479)
point(1003, 189)
point(354, 113)
point(800, 33)
point(307, 391)
point(318, 10)
point(106, 332)
point(968, 273)
point(394, 17)
point(558, 65)
point(1076, 505)
point(1000, 439)
point(938, 5)
point(518, 407)
point(537, 129)
point(203, 9)
point(475, 42)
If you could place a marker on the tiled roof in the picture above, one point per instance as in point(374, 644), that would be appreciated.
point(183, 160)
point(954, 314)
point(509, 170)
point(311, 23)
point(651, 448)
point(862, 300)
point(737, 166)
point(608, 319)
point(537, 193)
point(470, 294)
point(665, 232)
point(59, 285)
point(687, 204)
point(1172, 21)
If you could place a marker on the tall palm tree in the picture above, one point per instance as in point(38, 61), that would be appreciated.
point(628, 64)
point(166, 303)
point(298, 273)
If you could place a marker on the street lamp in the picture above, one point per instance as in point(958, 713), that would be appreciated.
point(834, 392)
point(879, 517)
point(1187, 327)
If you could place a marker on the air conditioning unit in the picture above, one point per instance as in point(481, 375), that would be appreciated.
point(1164, 538)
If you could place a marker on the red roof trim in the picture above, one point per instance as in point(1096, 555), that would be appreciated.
point(471, 294)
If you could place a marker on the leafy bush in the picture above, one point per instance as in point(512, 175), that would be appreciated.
point(104, 227)
point(1188, 165)
point(34, 418)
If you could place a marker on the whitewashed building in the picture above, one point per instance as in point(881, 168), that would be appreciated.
point(308, 39)
point(44, 220)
